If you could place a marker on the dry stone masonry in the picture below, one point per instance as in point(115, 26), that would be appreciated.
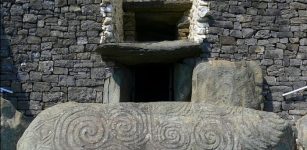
point(169, 126)
point(55, 51)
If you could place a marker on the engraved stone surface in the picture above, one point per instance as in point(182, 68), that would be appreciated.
point(155, 126)
point(230, 83)
point(13, 124)
point(301, 126)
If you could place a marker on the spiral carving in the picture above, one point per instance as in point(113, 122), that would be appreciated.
point(170, 135)
point(213, 134)
point(128, 126)
point(80, 129)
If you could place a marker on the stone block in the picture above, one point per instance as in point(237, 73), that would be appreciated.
point(228, 83)
point(13, 124)
point(301, 126)
point(65, 80)
point(46, 67)
point(41, 86)
point(29, 18)
point(34, 40)
point(274, 54)
point(147, 126)
point(53, 97)
point(81, 94)
point(97, 73)
point(228, 40)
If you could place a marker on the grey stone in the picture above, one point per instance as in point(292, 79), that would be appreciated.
point(303, 41)
point(60, 3)
point(228, 40)
point(41, 86)
point(276, 54)
point(150, 52)
point(228, 83)
point(42, 32)
point(147, 126)
point(65, 80)
point(76, 48)
point(30, 18)
point(81, 94)
point(262, 34)
point(36, 4)
point(34, 40)
point(53, 97)
point(90, 25)
point(236, 33)
point(183, 82)
point(301, 126)
point(46, 67)
point(13, 124)
point(16, 10)
point(97, 73)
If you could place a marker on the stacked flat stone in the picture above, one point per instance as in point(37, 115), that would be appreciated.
point(107, 34)
point(199, 21)
point(272, 33)
point(47, 52)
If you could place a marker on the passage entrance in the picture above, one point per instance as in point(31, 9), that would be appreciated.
point(153, 82)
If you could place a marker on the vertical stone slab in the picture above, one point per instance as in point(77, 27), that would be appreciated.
point(117, 87)
point(182, 82)
point(228, 83)
point(301, 140)
point(13, 124)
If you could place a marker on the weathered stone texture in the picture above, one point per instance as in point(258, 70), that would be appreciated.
point(273, 33)
point(301, 140)
point(13, 124)
point(48, 46)
point(177, 126)
point(228, 83)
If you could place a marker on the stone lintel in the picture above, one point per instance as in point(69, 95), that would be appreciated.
point(149, 52)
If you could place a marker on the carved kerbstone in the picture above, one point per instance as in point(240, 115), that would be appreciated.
point(301, 126)
point(155, 126)
point(228, 83)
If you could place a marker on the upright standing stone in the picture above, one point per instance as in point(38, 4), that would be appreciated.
point(230, 83)
point(301, 126)
point(13, 124)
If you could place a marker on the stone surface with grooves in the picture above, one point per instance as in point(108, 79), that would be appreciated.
point(147, 126)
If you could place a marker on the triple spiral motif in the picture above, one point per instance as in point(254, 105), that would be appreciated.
point(171, 135)
point(128, 128)
point(86, 129)
point(213, 134)
point(80, 129)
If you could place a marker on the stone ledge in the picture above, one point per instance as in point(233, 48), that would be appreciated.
point(149, 52)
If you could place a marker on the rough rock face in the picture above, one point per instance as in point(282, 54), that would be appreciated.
point(230, 83)
point(301, 126)
point(139, 126)
point(13, 124)
point(150, 52)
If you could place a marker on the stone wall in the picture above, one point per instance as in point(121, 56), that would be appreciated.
point(47, 47)
point(271, 32)
point(47, 52)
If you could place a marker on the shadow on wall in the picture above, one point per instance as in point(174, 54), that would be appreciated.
point(10, 77)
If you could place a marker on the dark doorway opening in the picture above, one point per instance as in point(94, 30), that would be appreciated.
point(154, 21)
point(157, 26)
point(153, 82)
